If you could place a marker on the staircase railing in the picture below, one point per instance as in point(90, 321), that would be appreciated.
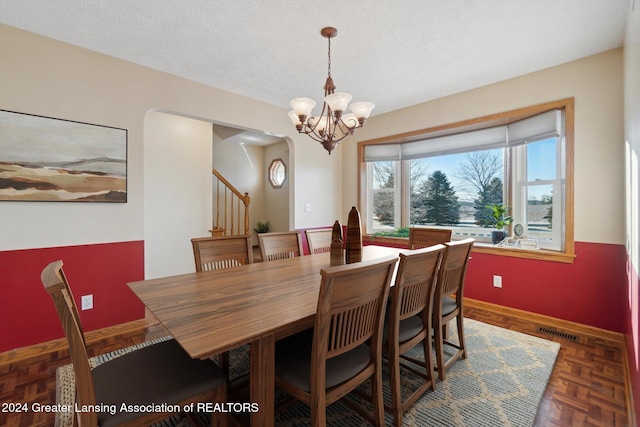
point(231, 209)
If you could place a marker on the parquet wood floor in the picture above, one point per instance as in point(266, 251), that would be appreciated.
point(588, 383)
point(587, 386)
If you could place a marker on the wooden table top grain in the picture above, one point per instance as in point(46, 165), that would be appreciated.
point(216, 311)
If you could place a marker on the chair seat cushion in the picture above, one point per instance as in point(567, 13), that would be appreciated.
point(448, 305)
point(293, 362)
point(409, 328)
point(160, 373)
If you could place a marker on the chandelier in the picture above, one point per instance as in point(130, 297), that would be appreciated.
point(332, 125)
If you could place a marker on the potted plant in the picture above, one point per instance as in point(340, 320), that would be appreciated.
point(500, 220)
point(262, 227)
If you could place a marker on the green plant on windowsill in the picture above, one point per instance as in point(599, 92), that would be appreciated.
point(262, 227)
point(398, 232)
point(500, 219)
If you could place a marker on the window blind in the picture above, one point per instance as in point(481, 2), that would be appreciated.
point(534, 128)
point(483, 139)
point(381, 152)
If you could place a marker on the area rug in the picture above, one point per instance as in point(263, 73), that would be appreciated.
point(500, 383)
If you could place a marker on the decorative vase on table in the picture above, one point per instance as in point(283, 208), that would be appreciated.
point(354, 237)
point(337, 252)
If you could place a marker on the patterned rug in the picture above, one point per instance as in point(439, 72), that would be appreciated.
point(500, 383)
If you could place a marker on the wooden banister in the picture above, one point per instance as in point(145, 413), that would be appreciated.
point(228, 217)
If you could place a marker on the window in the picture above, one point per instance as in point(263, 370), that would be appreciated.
point(384, 195)
point(538, 177)
point(447, 177)
point(277, 173)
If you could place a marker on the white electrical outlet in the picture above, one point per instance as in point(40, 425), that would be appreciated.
point(87, 302)
point(497, 281)
point(307, 207)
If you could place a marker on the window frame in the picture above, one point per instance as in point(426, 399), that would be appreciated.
point(274, 167)
point(567, 105)
point(397, 199)
point(521, 184)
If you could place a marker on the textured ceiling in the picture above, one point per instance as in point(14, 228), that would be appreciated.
point(393, 53)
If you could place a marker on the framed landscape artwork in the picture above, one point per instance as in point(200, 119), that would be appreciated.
point(47, 159)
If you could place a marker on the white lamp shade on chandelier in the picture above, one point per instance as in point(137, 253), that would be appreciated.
point(362, 109)
point(338, 101)
point(302, 106)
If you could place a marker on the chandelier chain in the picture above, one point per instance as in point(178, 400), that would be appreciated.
point(329, 55)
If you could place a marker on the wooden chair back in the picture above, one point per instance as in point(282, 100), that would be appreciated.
point(56, 285)
point(351, 307)
point(414, 288)
point(454, 268)
point(215, 253)
point(280, 245)
point(319, 241)
point(321, 368)
point(420, 237)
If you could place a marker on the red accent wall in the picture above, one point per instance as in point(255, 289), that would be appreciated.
point(632, 330)
point(27, 314)
point(591, 291)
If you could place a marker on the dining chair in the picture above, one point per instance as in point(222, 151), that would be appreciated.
point(215, 253)
point(344, 348)
point(420, 237)
point(159, 373)
point(280, 245)
point(319, 241)
point(446, 308)
point(409, 323)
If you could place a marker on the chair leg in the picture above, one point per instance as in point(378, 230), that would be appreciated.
point(219, 419)
point(439, 329)
point(394, 379)
point(428, 361)
point(378, 401)
point(318, 410)
point(461, 335)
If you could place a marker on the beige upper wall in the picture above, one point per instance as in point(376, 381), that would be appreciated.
point(45, 77)
point(632, 135)
point(595, 82)
point(277, 199)
point(177, 190)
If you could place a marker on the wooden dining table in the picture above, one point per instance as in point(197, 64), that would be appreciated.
point(216, 311)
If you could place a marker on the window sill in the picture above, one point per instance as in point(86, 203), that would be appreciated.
point(539, 254)
point(485, 248)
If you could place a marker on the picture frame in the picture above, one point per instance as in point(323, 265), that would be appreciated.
point(57, 160)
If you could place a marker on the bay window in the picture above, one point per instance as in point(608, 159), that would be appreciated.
point(447, 177)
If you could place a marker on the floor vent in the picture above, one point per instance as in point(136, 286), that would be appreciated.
point(557, 333)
